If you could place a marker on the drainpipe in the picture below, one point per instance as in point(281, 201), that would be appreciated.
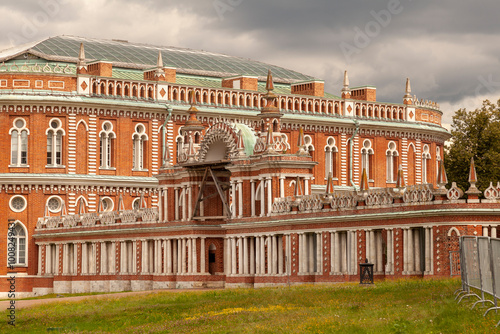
point(163, 135)
point(350, 152)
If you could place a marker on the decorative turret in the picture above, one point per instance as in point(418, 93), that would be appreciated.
point(301, 143)
point(160, 72)
point(473, 192)
point(81, 66)
point(270, 138)
point(189, 130)
point(346, 92)
point(407, 99)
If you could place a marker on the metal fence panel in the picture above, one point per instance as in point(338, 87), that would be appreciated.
point(483, 244)
point(495, 254)
point(470, 250)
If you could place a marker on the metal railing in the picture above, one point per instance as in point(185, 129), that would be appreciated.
point(480, 271)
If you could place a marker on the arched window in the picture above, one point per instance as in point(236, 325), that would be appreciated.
point(438, 159)
point(139, 139)
point(366, 157)
point(308, 143)
point(107, 137)
point(392, 161)
point(16, 245)
point(19, 143)
point(426, 159)
point(54, 143)
point(331, 157)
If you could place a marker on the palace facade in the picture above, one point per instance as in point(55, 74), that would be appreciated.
point(132, 167)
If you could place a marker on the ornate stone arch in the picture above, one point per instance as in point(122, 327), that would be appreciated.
point(224, 137)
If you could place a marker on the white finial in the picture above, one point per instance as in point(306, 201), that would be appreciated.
point(160, 60)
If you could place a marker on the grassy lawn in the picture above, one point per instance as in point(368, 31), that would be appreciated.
point(406, 306)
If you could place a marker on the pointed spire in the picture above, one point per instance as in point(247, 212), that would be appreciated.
point(329, 184)
point(159, 63)
point(121, 205)
point(270, 141)
point(472, 192)
point(301, 143)
point(81, 206)
point(407, 98)
point(269, 81)
point(472, 172)
point(400, 182)
point(241, 145)
point(442, 178)
point(346, 80)
point(297, 191)
point(346, 92)
point(364, 181)
point(81, 56)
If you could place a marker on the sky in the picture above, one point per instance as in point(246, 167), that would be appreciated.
point(450, 49)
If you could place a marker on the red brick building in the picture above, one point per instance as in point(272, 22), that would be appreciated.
point(132, 166)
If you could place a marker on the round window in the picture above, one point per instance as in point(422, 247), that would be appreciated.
point(107, 204)
point(17, 203)
point(54, 124)
point(54, 204)
point(19, 123)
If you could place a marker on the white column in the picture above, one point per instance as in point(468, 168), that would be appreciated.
point(104, 258)
point(319, 257)
point(239, 243)
point(411, 256)
point(184, 205)
point(274, 255)
point(252, 197)
point(485, 230)
point(233, 197)
point(269, 196)
point(183, 255)
point(176, 256)
point(493, 231)
point(416, 238)
point(165, 205)
point(405, 250)
point(233, 255)
point(280, 254)
point(245, 255)
point(390, 252)
point(202, 255)
point(189, 243)
point(288, 252)
point(176, 198)
point(40, 249)
point(427, 251)
point(252, 255)
point(227, 256)
point(282, 186)
point(262, 197)
point(240, 198)
point(262, 255)
point(380, 261)
point(194, 256)
point(168, 257)
point(269, 254)
point(85, 261)
point(257, 255)
point(306, 186)
point(340, 255)
point(310, 253)
point(160, 208)
point(190, 201)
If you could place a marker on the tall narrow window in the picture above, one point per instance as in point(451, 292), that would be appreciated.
point(426, 158)
point(366, 157)
point(19, 143)
point(438, 159)
point(17, 238)
point(139, 139)
point(106, 144)
point(54, 143)
point(392, 161)
point(330, 157)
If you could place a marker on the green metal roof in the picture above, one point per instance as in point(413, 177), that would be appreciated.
point(142, 56)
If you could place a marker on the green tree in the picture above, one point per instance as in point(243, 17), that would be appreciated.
point(475, 134)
